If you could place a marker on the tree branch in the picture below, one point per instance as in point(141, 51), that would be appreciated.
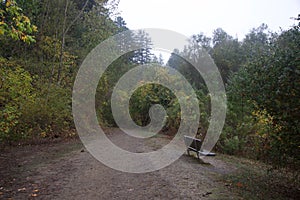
point(76, 18)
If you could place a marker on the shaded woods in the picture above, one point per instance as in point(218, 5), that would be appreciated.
point(43, 43)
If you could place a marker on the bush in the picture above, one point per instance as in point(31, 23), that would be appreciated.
point(232, 145)
point(50, 114)
point(27, 111)
point(15, 91)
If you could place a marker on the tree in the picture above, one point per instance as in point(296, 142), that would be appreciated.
point(226, 53)
point(203, 41)
point(142, 55)
point(68, 30)
point(270, 82)
point(256, 43)
point(121, 24)
point(14, 23)
point(219, 36)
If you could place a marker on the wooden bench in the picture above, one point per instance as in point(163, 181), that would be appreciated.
point(194, 144)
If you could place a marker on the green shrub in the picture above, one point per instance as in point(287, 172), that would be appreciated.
point(50, 114)
point(232, 145)
point(15, 91)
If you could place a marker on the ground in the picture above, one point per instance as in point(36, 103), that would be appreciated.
point(66, 170)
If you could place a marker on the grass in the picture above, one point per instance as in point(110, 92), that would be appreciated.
point(256, 180)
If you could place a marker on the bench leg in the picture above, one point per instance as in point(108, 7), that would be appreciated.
point(188, 152)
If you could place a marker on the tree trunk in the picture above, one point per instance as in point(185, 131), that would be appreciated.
point(61, 58)
point(64, 33)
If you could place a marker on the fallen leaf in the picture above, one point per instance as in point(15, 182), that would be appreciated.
point(34, 195)
point(239, 184)
point(21, 189)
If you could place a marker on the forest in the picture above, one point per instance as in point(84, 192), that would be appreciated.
point(43, 43)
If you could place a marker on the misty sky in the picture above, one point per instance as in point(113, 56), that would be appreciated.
point(189, 17)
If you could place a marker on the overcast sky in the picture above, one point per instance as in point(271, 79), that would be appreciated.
point(189, 17)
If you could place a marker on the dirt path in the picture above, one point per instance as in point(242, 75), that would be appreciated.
point(66, 171)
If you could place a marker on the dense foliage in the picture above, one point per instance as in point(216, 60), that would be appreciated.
point(262, 80)
point(42, 45)
point(269, 84)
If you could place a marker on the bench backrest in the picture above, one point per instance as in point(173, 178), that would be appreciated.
point(192, 142)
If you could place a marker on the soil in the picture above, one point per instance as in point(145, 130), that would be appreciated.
point(66, 170)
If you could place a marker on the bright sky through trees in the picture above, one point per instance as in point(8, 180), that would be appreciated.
point(189, 17)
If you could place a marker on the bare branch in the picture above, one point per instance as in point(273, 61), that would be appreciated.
point(76, 18)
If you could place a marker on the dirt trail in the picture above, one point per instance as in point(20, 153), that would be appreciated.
point(66, 171)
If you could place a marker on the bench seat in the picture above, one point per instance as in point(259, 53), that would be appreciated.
point(194, 144)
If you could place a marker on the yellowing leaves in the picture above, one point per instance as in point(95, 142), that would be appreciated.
point(26, 19)
point(34, 28)
point(23, 37)
point(8, 3)
point(15, 24)
point(43, 134)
